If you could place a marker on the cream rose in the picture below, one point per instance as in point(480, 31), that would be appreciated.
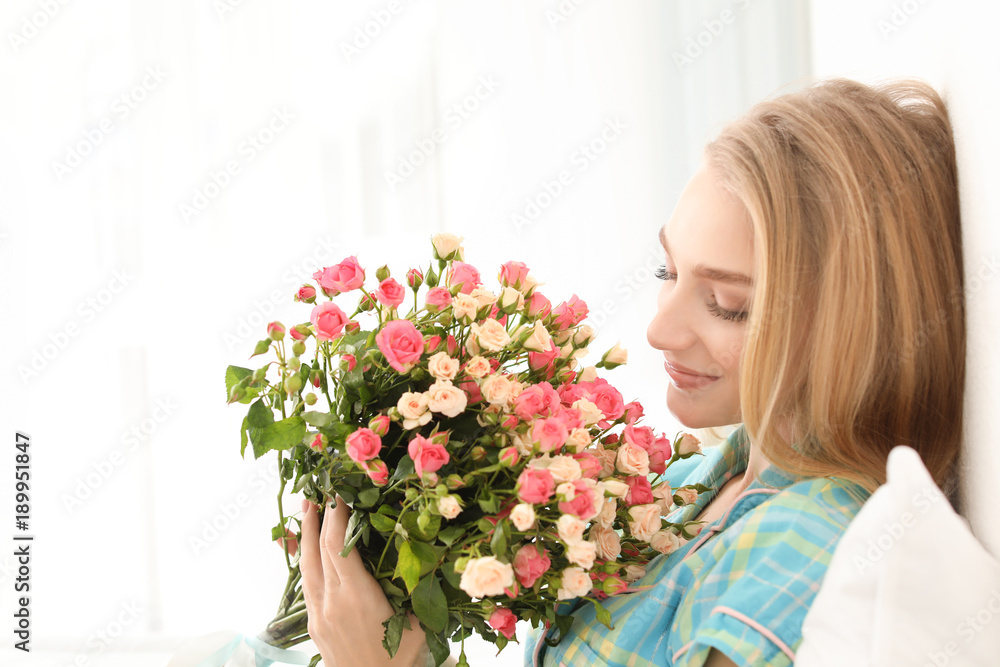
point(570, 528)
point(464, 307)
point(490, 334)
point(446, 398)
point(575, 582)
point(686, 495)
point(665, 541)
point(645, 521)
point(588, 374)
point(539, 338)
point(510, 298)
point(446, 244)
point(448, 507)
point(523, 516)
point(562, 468)
point(634, 572)
point(442, 367)
point(616, 487)
point(588, 410)
point(486, 576)
point(477, 367)
point(688, 444)
point(583, 335)
point(607, 541)
point(664, 497)
point(632, 459)
point(412, 408)
point(483, 296)
point(578, 440)
point(522, 443)
point(607, 457)
point(616, 355)
point(496, 389)
point(606, 517)
point(582, 553)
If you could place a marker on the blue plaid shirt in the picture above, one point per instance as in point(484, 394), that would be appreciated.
point(742, 586)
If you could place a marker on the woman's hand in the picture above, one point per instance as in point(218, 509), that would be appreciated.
point(345, 605)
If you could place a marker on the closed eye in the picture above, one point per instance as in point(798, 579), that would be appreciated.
point(713, 306)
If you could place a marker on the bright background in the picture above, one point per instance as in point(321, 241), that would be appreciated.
point(125, 307)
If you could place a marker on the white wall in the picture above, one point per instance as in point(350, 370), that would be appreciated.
point(954, 47)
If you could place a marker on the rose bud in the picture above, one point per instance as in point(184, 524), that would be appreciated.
point(477, 453)
point(414, 278)
point(259, 374)
point(236, 394)
point(350, 360)
point(509, 456)
point(381, 273)
point(310, 398)
point(366, 303)
point(380, 425)
point(261, 347)
point(616, 356)
point(297, 333)
point(319, 443)
point(275, 330)
point(306, 294)
point(316, 379)
point(293, 384)
point(454, 481)
point(298, 347)
point(351, 326)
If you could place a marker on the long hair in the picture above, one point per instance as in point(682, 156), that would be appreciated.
point(856, 337)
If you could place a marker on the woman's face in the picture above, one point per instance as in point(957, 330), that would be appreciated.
point(700, 321)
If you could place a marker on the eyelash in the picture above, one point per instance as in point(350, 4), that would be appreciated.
point(714, 308)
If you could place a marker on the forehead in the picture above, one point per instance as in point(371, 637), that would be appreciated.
point(710, 226)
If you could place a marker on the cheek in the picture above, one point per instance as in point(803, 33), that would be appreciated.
point(727, 348)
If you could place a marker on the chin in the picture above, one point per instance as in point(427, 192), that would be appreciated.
point(698, 413)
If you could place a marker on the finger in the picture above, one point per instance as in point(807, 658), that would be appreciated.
point(328, 550)
point(310, 563)
point(351, 566)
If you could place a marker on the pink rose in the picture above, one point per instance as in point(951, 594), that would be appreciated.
point(350, 360)
point(569, 313)
point(343, 277)
point(659, 454)
point(306, 294)
point(584, 503)
point(513, 274)
point(296, 334)
point(275, 330)
point(503, 621)
point(329, 320)
point(414, 278)
point(640, 491)
point(464, 276)
point(401, 344)
point(544, 361)
point(377, 471)
point(363, 445)
point(379, 425)
point(530, 564)
point(538, 305)
point(633, 412)
point(609, 400)
point(639, 435)
point(437, 298)
point(570, 417)
point(427, 456)
point(539, 400)
point(390, 292)
point(550, 434)
point(535, 485)
point(590, 465)
point(570, 392)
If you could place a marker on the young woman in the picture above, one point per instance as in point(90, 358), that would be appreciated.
point(813, 294)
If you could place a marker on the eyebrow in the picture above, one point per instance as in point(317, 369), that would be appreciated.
point(709, 273)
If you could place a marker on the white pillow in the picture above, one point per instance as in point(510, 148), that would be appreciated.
point(908, 583)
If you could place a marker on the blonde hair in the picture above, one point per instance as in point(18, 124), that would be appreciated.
point(856, 335)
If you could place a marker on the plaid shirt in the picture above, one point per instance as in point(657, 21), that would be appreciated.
point(742, 586)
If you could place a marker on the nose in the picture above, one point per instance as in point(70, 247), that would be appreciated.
point(670, 327)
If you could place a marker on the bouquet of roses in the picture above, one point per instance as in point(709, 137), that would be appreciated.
point(490, 476)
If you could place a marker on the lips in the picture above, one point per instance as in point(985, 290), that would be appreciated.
point(685, 380)
point(687, 371)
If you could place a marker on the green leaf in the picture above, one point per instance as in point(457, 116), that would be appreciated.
point(317, 419)
point(280, 435)
point(438, 645)
point(352, 535)
point(450, 534)
point(233, 376)
point(382, 523)
point(499, 542)
point(603, 615)
point(429, 603)
point(449, 574)
point(369, 497)
point(243, 437)
point(424, 553)
point(277, 532)
point(409, 521)
point(259, 415)
point(394, 631)
point(403, 469)
point(407, 567)
point(489, 504)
